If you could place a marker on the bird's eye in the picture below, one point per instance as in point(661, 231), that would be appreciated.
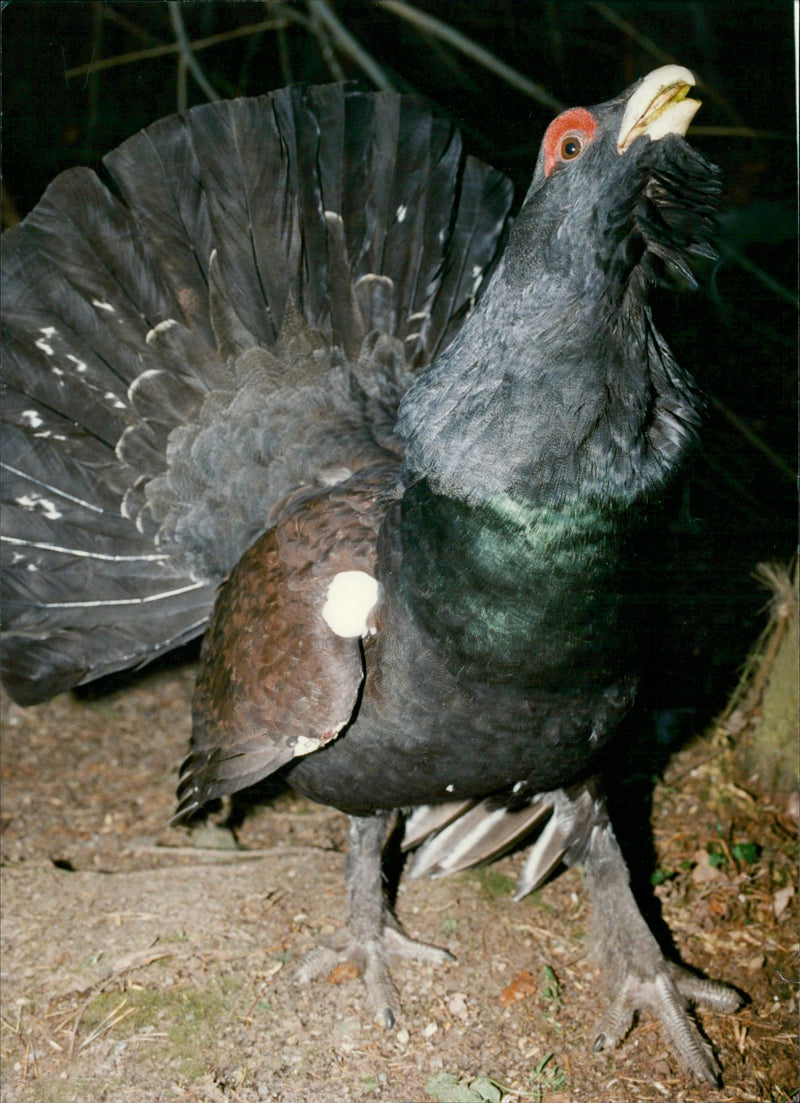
point(567, 137)
point(571, 147)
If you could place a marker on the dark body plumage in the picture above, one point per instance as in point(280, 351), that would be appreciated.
point(433, 572)
point(472, 653)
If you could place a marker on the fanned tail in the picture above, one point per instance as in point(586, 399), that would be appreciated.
point(236, 319)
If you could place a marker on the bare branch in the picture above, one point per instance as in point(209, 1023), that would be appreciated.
point(466, 46)
point(185, 48)
point(350, 45)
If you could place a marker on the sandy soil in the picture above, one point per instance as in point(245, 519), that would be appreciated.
point(140, 967)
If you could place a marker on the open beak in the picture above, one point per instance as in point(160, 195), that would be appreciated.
point(659, 106)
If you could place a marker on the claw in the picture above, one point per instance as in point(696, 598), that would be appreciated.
point(642, 977)
point(371, 959)
point(667, 995)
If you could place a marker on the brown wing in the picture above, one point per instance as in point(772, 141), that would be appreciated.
point(282, 663)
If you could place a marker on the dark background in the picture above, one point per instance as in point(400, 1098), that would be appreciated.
point(738, 335)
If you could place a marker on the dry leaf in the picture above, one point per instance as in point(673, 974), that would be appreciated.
point(704, 871)
point(780, 900)
point(344, 971)
point(523, 984)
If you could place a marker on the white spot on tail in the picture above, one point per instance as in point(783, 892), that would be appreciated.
point(31, 418)
point(31, 501)
point(80, 365)
point(102, 305)
point(351, 597)
point(162, 327)
point(402, 211)
point(47, 332)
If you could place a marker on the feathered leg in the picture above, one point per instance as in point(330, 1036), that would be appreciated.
point(371, 936)
point(637, 970)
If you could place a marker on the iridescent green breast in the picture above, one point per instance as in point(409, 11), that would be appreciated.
point(523, 590)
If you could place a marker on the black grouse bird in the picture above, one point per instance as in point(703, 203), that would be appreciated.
point(273, 355)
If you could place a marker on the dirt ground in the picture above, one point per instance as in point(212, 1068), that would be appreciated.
point(140, 967)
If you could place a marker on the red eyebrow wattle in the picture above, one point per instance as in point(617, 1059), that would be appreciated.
point(577, 118)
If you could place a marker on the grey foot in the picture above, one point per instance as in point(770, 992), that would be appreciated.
point(669, 994)
point(372, 958)
point(640, 975)
point(371, 938)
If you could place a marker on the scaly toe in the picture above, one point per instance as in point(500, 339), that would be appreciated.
point(667, 995)
point(400, 945)
point(371, 958)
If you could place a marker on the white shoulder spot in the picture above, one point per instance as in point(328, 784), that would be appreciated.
point(351, 597)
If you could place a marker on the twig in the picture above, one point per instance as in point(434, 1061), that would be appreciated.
point(185, 47)
point(758, 665)
point(78, 1016)
point(131, 961)
point(173, 47)
point(483, 57)
point(350, 45)
point(284, 56)
point(753, 269)
point(181, 97)
point(112, 1019)
point(21, 1032)
point(751, 437)
point(233, 855)
point(319, 31)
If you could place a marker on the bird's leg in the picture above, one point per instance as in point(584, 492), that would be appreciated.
point(639, 974)
point(372, 935)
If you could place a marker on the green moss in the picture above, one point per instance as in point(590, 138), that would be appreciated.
point(493, 883)
point(190, 1018)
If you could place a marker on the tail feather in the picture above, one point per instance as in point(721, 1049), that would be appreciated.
point(482, 833)
point(158, 176)
point(484, 203)
point(46, 484)
point(237, 318)
point(36, 667)
point(90, 398)
point(79, 259)
point(454, 837)
point(253, 207)
point(428, 819)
